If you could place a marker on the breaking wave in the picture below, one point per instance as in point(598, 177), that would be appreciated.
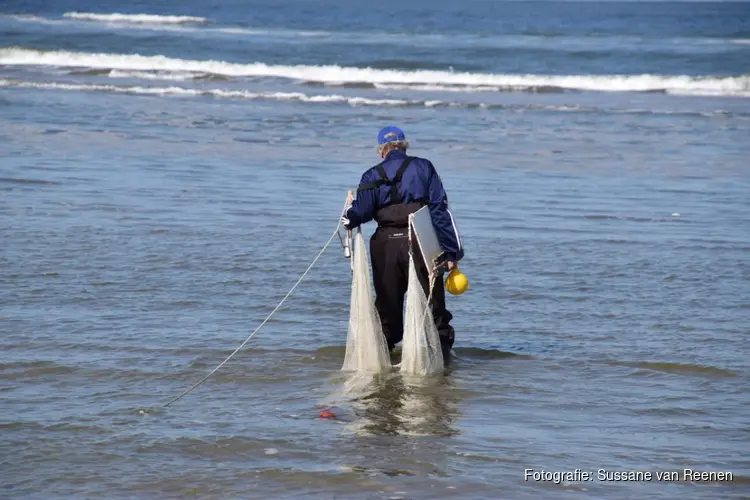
point(332, 98)
point(230, 94)
point(134, 18)
point(29, 18)
point(148, 75)
point(424, 80)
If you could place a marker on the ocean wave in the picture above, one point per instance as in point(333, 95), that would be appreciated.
point(188, 24)
point(524, 38)
point(116, 17)
point(435, 87)
point(222, 93)
point(30, 18)
point(149, 75)
point(420, 79)
point(340, 99)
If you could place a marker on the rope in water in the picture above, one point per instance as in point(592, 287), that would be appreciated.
point(185, 393)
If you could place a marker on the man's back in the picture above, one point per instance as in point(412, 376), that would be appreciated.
point(419, 184)
point(414, 180)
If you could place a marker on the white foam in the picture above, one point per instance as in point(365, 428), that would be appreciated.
point(28, 18)
point(25, 18)
point(116, 17)
point(144, 75)
point(243, 94)
point(182, 24)
point(221, 93)
point(720, 91)
point(425, 79)
point(301, 97)
point(436, 88)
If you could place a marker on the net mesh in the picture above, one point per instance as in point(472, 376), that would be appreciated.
point(420, 352)
point(366, 347)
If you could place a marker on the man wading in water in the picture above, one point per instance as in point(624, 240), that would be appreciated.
point(388, 192)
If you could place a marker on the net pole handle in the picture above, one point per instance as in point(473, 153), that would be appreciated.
point(349, 241)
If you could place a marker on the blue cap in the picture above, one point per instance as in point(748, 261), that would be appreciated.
point(390, 134)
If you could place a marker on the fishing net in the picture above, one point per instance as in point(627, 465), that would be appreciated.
point(420, 352)
point(366, 347)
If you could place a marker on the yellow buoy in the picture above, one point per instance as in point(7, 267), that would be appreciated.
point(456, 282)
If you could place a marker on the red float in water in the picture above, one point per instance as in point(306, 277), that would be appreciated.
point(327, 414)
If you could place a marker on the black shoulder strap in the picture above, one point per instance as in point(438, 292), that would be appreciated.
point(383, 175)
point(385, 181)
point(395, 195)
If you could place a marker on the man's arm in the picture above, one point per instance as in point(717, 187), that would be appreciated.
point(361, 210)
point(442, 219)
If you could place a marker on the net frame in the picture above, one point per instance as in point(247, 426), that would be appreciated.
point(421, 352)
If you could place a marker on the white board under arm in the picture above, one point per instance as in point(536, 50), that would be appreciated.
point(421, 223)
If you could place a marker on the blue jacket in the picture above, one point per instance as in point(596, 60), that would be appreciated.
point(419, 181)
